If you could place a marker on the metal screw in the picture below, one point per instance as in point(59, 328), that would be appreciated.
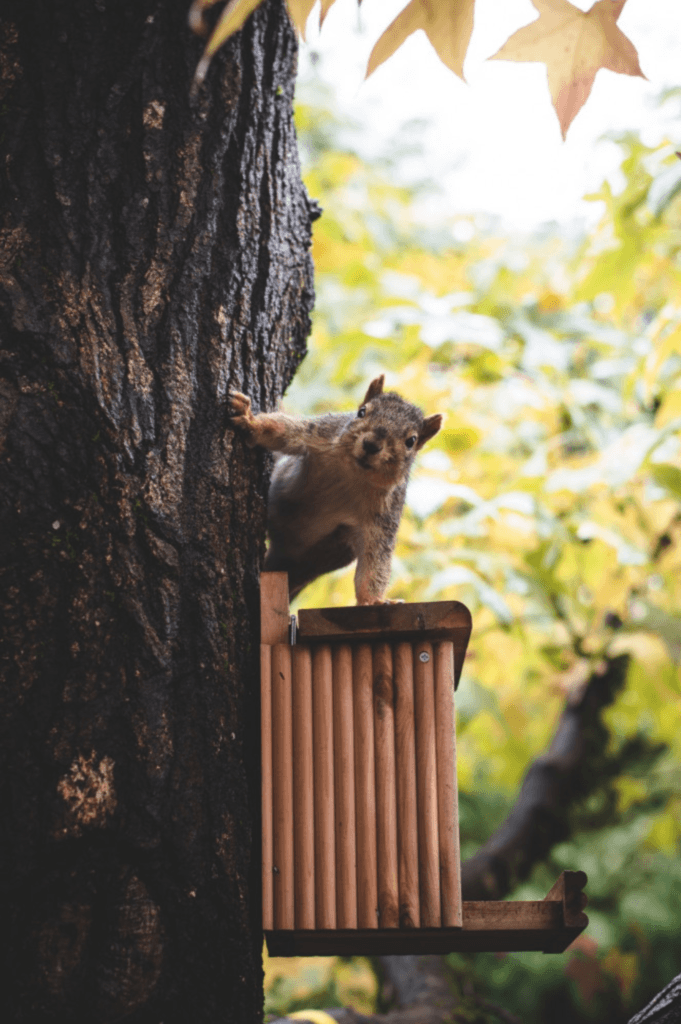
point(424, 656)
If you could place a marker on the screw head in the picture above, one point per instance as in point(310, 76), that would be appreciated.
point(424, 656)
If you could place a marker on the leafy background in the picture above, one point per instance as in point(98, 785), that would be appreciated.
point(549, 504)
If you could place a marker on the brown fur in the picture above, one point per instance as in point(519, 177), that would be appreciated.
point(337, 492)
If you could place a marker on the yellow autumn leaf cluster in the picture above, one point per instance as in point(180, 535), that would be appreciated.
point(573, 44)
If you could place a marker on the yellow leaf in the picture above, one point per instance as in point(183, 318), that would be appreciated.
point(458, 439)
point(670, 346)
point(669, 410)
point(447, 23)
point(324, 10)
point(574, 45)
point(316, 1016)
point(664, 832)
point(299, 11)
point(231, 20)
point(624, 967)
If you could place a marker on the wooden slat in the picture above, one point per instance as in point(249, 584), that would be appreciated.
point(386, 808)
point(436, 620)
point(344, 786)
point(405, 756)
point(266, 784)
point(325, 846)
point(274, 608)
point(447, 793)
point(303, 789)
point(365, 790)
point(426, 785)
point(568, 889)
point(493, 926)
point(282, 787)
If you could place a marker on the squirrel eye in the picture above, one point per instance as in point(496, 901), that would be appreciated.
point(411, 441)
point(361, 413)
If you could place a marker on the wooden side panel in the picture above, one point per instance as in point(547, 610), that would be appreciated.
point(344, 785)
point(303, 789)
point(282, 787)
point(447, 793)
point(365, 789)
point(266, 785)
point(325, 846)
point(274, 608)
point(405, 756)
point(426, 785)
point(386, 799)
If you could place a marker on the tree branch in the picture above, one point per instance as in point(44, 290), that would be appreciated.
point(572, 767)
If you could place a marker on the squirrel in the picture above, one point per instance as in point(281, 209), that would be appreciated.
point(338, 489)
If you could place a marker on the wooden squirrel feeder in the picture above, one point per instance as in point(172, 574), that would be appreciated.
point(360, 831)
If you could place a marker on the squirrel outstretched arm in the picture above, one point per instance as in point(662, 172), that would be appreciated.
point(337, 491)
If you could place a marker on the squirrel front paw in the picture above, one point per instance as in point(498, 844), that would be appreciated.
point(241, 409)
point(241, 412)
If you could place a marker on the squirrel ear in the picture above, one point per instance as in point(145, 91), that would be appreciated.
point(375, 388)
point(430, 427)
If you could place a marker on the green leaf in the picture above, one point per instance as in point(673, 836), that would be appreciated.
point(667, 476)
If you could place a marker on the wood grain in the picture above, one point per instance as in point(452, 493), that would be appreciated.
point(447, 793)
point(344, 783)
point(303, 789)
point(274, 608)
point(324, 815)
point(365, 787)
point(386, 789)
point(405, 756)
point(266, 785)
point(282, 787)
point(426, 785)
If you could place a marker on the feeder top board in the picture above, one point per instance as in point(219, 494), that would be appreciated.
point(391, 623)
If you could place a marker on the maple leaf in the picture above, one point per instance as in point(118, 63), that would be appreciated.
point(324, 10)
point(299, 10)
point(574, 45)
point(230, 21)
point(447, 23)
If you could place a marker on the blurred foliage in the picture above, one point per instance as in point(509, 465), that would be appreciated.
point(297, 983)
point(549, 504)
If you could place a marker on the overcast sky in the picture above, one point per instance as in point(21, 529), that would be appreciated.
point(495, 144)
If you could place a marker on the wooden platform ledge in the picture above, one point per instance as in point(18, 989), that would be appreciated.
point(547, 925)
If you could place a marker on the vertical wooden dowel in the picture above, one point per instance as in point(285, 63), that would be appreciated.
point(365, 791)
point(324, 817)
point(282, 786)
point(386, 794)
point(344, 784)
point(447, 793)
point(426, 785)
point(405, 756)
point(303, 788)
point(266, 784)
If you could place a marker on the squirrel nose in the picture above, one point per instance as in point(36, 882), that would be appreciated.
point(370, 447)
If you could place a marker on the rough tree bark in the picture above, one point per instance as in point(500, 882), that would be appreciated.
point(154, 254)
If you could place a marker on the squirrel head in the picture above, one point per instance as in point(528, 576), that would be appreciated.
point(386, 434)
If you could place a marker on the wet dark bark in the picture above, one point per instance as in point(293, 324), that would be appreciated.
point(153, 255)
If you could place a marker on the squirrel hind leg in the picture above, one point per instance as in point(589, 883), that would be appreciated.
point(332, 552)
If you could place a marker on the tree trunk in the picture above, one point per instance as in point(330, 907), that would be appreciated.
point(154, 254)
